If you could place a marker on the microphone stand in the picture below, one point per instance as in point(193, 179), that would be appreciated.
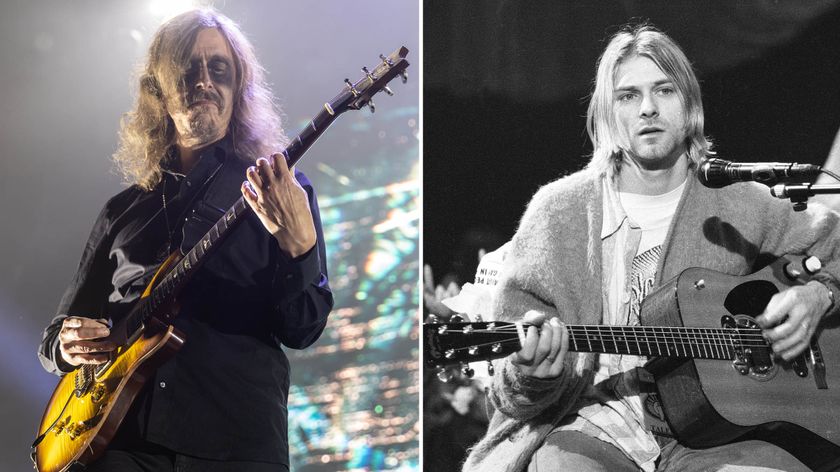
point(798, 194)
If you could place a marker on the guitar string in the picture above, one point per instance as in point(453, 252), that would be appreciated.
point(651, 332)
point(666, 342)
point(646, 336)
point(585, 341)
point(703, 342)
point(709, 354)
point(622, 327)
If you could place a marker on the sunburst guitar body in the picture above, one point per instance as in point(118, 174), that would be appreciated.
point(89, 404)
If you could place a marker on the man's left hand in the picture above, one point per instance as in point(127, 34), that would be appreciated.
point(792, 316)
point(281, 204)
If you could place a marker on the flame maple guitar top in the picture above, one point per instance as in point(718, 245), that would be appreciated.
point(77, 428)
point(99, 412)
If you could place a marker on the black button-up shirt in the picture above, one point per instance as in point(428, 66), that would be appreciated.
point(224, 394)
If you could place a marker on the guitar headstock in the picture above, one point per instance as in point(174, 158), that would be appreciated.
point(360, 93)
point(454, 343)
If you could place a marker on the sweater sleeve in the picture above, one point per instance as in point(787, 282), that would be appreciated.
point(535, 277)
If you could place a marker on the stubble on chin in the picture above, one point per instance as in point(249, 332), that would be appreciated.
point(201, 129)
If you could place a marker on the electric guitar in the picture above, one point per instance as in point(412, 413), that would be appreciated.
point(717, 378)
point(89, 404)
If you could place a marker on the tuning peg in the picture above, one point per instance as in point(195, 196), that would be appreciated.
point(490, 369)
point(388, 91)
point(456, 319)
point(404, 76)
point(371, 105)
point(443, 375)
point(385, 60)
point(467, 371)
point(368, 74)
point(352, 87)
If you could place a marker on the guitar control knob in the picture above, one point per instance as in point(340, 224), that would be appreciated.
point(443, 375)
point(791, 271)
point(467, 371)
point(490, 369)
point(812, 265)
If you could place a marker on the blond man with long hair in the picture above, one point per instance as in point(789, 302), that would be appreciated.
point(204, 131)
point(592, 245)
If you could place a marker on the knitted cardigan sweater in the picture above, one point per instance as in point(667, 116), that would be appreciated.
point(555, 267)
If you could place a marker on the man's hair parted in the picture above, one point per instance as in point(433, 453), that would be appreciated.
point(147, 133)
point(646, 41)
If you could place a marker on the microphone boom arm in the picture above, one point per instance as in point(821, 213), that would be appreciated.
point(798, 194)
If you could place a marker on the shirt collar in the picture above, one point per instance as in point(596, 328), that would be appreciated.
point(219, 151)
point(613, 212)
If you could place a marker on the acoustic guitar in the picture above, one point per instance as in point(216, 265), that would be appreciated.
point(716, 375)
point(89, 404)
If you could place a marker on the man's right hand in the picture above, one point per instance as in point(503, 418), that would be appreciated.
point(81, 341)
point(543, 348)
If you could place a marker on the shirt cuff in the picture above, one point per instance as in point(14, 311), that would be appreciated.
point(59, 361)
point(294, 275)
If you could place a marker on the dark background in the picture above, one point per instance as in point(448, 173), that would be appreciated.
point(66, 77)
point(507, 84)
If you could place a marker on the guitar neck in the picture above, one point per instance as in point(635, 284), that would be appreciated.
point(303, 141)
point(451, 343)
point(661, 341)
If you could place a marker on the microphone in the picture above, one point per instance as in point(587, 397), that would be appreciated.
point(717, 173)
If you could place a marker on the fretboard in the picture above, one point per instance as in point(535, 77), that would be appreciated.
point(663, 341)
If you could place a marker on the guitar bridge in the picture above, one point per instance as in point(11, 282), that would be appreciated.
point(751, 358)
point(83, 380)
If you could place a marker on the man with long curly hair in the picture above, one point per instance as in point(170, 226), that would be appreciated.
point(204, 121)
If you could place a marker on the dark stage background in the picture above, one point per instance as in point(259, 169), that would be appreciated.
point(506, 88)
point(507, 84)
point(66, 76)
